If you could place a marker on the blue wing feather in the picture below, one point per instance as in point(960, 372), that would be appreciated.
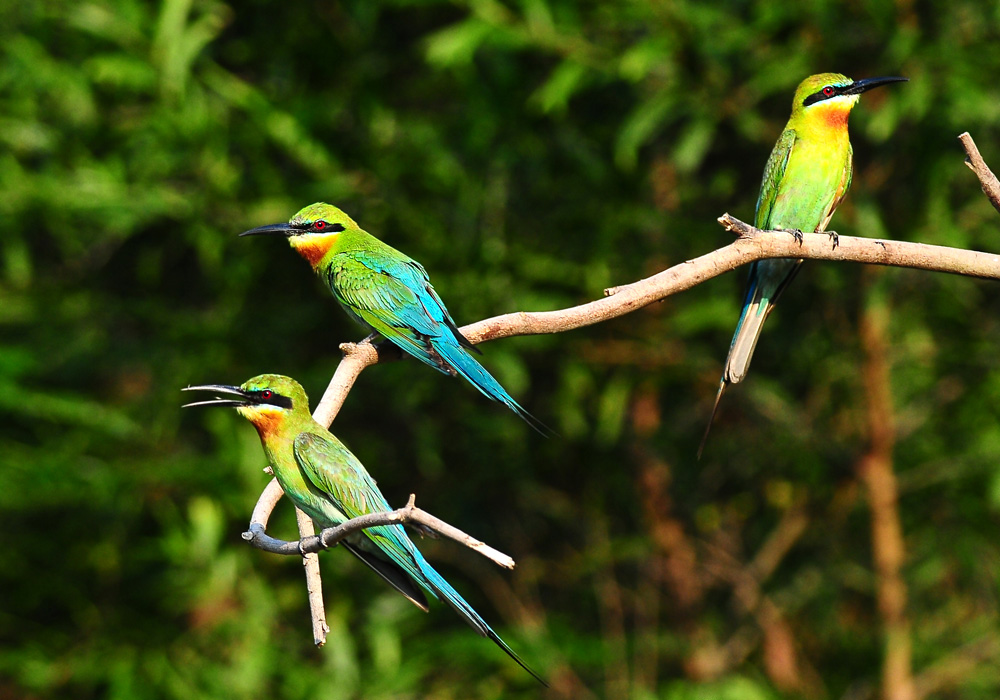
point(393, 296)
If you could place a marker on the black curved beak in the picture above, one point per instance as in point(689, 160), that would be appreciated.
point(286, 230)
point(244, 400)
point(859, 86)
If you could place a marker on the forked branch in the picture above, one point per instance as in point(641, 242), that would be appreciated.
point(751, 244)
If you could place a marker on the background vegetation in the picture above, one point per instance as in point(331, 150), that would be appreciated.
point(529, 153)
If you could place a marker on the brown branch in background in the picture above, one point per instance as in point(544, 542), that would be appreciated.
point(983, 652)
point(989, 182)
point(675, 556)
point(679, 560)
point(876, 473)
point(611, 613)
point(781, 660)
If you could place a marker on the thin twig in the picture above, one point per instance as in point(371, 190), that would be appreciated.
point(331, 536)
point(989, 182)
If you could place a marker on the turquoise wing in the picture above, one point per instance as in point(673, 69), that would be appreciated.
point(774, 172)
point(395, 298)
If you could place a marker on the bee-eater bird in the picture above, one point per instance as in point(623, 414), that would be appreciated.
point(806, 177)
point(328, 483)
point(388, 292)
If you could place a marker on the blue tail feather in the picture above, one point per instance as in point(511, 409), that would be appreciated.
point(466, 365)
point(437, 585)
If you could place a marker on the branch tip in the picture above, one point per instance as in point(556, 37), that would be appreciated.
point(987, 180)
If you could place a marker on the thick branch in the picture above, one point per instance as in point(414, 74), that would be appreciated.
point(331, 536)
point(752, 244)
point(989, 182)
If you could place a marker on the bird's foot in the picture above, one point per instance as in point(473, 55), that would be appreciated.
point(369, 338)
point(796, 234)
point(834, 238)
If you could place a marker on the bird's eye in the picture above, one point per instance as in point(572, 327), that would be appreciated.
point(267, 394)
point(319, 225)
point(828, 91)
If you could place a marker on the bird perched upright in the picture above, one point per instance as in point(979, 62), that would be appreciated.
point(328, 483)
point(805, 179)
point(391, 294)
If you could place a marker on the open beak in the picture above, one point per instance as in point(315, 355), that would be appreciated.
point(218, 401)
point(286, 230)
point(859, 86)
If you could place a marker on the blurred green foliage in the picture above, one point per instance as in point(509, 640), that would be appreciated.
point(529, 153)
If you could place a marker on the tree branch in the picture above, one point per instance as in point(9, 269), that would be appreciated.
point(332, 536)
point(314, 583)
point(989, 182)
point(751, 244)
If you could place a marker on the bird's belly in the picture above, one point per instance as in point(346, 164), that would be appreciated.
point(807, 194)
point(801, 210)
point(308, 499)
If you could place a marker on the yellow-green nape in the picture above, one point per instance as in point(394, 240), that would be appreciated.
point(327, 212)
point(281, 386)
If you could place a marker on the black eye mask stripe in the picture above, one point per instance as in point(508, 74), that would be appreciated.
point(819, 96)
point(276, 400)
point(326, 227)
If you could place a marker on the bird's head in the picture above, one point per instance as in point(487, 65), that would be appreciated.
point(829, 97)
point(312, 231)
point(267, 400)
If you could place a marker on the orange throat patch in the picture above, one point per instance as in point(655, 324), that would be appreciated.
point(266, 419)
point(834, 117)
point(313, 247)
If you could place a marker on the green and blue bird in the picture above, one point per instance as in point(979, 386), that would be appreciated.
point(328, 483)
point(805, 179)
point(387, 292)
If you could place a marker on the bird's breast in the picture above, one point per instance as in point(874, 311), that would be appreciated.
point(811, 185)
